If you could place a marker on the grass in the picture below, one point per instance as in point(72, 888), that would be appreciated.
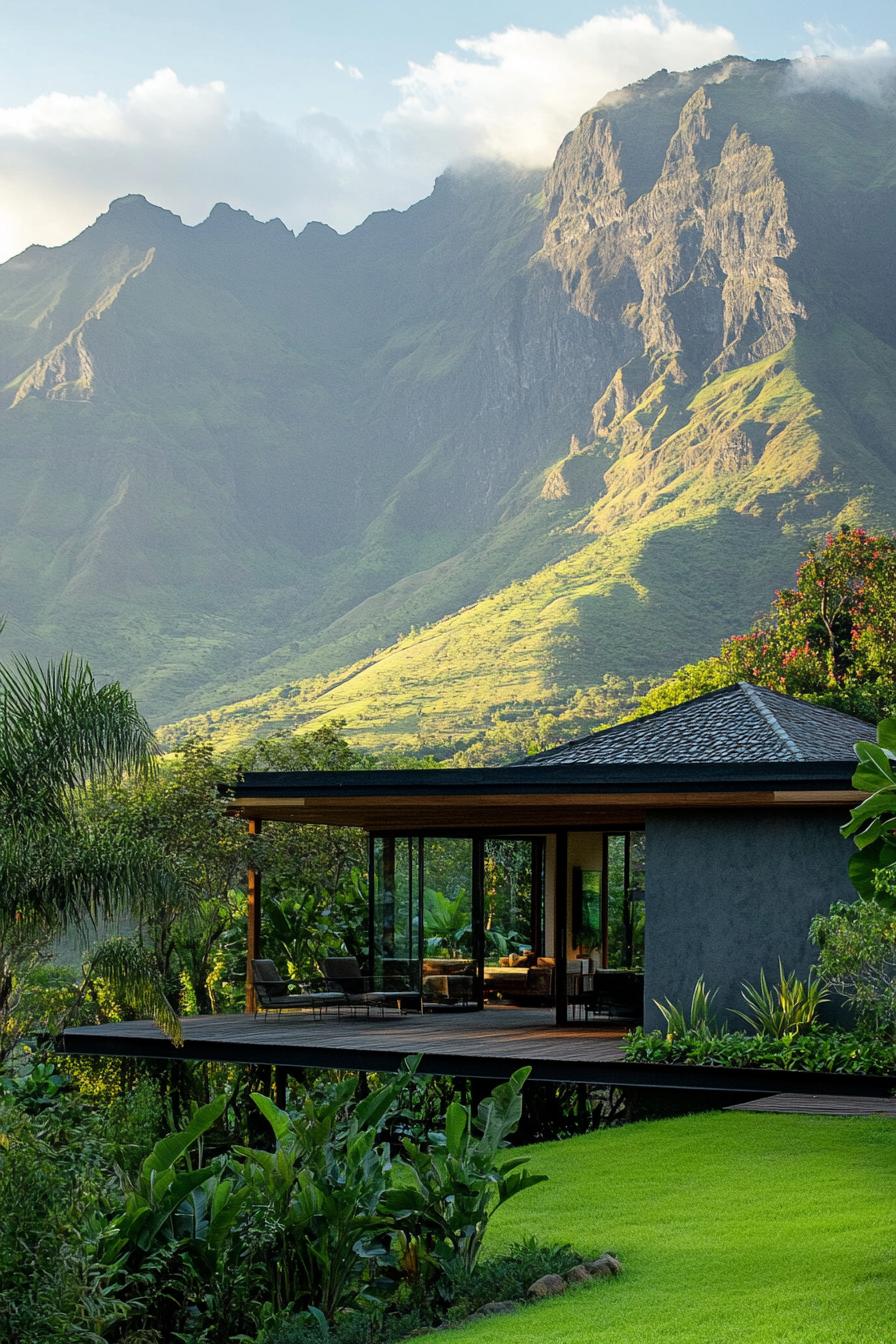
point(732, 1228)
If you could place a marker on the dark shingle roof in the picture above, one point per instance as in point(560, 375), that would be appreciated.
point(738, 723)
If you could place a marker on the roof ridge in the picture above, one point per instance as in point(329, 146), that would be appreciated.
point(628, 723)
point(809, 704)
point(752, 694)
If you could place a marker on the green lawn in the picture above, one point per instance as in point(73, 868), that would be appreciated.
point(731, 1227)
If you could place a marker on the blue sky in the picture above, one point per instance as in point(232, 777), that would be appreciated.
point(331, 110)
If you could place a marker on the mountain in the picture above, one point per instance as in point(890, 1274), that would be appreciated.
point(530, 438)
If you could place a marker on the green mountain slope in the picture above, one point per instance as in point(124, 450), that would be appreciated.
point(468, 461)
point(646, 586)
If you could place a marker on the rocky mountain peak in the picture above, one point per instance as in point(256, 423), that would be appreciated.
point(135, 208)
point(224, 222)
point(694, 262)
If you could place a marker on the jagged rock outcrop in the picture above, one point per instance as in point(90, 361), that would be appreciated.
point(693, 265)
point(66, 372)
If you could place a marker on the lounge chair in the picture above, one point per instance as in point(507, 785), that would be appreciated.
point(344, 974)
point(272, 992)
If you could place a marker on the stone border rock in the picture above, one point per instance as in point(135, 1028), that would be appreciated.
point(606, 1266)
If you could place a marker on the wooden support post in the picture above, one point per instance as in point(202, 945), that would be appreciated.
point(561, 926)
point(253, 927)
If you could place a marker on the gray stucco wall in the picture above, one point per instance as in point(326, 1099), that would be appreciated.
point(731, 891)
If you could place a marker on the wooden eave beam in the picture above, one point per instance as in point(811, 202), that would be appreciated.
point(537, 811)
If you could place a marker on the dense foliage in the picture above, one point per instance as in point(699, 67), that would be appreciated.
point(348, 1206)
point(156, 850)
point(786, 1031)
point(823, 1049)
point(857, 956)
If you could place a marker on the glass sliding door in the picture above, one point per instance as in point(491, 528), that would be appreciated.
point(394, 915)
point(442, 907)
point(424, 913)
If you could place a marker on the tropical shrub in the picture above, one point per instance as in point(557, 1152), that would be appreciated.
point(306, 925)
point(783, 1009)
point(323, 1189)
point(448, 923)
point(857, 955)
point(700, 1017)
point(445, 1192)
point(819, 1049)
point(504, 1277)
point(33, 1083)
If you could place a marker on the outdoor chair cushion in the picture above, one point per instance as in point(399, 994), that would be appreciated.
point(309, 1000)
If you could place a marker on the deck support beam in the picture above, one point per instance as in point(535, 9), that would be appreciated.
point(253, 924)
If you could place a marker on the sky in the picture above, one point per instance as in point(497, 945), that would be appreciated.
point(329, 111)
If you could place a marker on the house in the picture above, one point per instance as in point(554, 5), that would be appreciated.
point(606, 873)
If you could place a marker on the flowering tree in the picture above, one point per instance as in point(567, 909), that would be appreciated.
point(836, 626)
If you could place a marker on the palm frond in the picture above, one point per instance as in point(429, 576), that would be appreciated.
point(130, 971)
point(60, 730)
point(70, 875)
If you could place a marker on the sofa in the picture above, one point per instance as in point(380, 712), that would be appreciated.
point(526, 978)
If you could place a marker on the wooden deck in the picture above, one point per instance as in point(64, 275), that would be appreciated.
point(791, 1103)
point(489, 1044)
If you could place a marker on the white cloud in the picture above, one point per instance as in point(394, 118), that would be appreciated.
point(514, 94)
point(829, 60)
point(351, 70)
point(511, 94)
